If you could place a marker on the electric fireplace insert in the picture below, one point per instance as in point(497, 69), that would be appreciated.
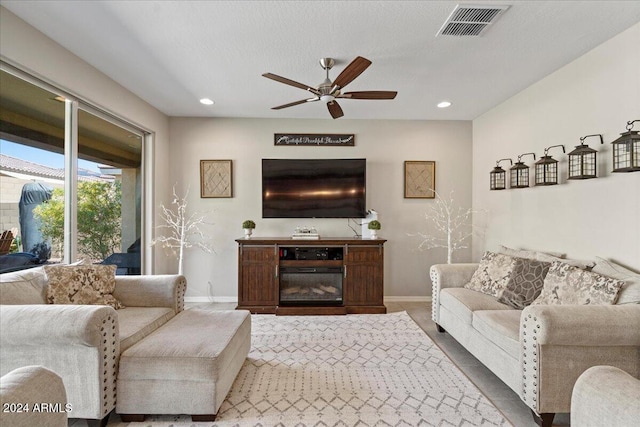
point(311, 285)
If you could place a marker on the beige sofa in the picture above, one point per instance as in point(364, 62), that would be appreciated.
point(82, 343)
point(539, 351)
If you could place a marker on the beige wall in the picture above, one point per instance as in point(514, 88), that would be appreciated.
point(385, 145)
point(597, 93)
point(35, 53)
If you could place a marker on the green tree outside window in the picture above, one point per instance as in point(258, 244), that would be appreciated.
point(99, 218)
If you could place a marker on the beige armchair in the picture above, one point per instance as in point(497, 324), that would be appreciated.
point(605, 396)
point(33, 396)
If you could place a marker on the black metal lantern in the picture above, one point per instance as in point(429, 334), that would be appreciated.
point(582, 160)
point(547, 168)
point(626, 150)
point(498, 177)
point(520, 173)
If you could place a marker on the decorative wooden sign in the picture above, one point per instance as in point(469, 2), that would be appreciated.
point(314, 139)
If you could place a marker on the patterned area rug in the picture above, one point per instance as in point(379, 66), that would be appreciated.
point(356, 370)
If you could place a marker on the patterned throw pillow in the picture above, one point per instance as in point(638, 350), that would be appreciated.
point(493, 274)
point(82, 284)
point(525, 283)
point(569, 285)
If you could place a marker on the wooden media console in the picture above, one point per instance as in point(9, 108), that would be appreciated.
point(323, 276)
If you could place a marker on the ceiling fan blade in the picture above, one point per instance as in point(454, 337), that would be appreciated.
point(291, 104)
point(334, 109)
point(352, 71)
point(290, 82)
point(369, 94)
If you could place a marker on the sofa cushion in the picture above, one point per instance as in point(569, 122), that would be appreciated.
point(535, 255)
point(463, 302)
point(492, 275)
point(82, 284)
point(525, 283)
point(136, 323)
point(501, 327)
point(546, 257)
point(23, 287)
point(566, 284)
point(630, 292)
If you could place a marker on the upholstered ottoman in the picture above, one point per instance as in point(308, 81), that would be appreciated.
point(187, 366)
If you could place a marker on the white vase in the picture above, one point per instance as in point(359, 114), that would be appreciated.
point(374, 234)
point(248, 232)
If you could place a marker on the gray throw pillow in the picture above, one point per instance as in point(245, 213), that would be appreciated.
point(525, 283)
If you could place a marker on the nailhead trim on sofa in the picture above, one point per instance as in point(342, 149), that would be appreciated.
point(529, 331)
point(110, 355)
point(435, 294)
point(181, 289)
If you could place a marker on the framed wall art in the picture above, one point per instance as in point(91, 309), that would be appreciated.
point(216, 178)
point(419, 179)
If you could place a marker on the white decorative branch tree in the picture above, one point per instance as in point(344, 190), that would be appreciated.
point(183, 231)
point(453, 227)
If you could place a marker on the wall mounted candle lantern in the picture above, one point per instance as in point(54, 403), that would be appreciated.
point(626, 150)
point(547, 168)
point(498, 176)
point(582, 160)
point(520, 173)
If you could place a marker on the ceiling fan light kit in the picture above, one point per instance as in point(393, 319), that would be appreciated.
point(328, 91)
point(327, 98)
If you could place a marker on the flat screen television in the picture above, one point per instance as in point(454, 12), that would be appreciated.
point(314, 188)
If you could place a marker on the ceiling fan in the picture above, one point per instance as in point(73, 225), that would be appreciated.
point(329, 91)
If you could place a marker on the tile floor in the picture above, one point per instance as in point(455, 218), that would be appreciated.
point(501, 395)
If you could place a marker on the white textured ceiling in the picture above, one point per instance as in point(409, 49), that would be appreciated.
point(172, 53)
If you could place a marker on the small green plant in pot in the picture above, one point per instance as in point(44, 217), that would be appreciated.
point(374, 226)
point(248, 226)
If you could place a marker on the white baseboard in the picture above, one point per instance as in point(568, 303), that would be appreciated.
point(211, 299)
point(235, 299)
point(407, 299)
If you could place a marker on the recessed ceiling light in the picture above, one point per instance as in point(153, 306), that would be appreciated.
point(206, 101)
point(444, 104)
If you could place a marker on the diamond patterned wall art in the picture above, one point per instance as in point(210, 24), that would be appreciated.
point(419, 179)
point(216, 178)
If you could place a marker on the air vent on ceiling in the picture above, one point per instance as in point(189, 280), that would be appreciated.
point(471, 20)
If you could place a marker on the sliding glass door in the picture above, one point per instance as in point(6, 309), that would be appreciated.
point(109, 192)
point(71, 178)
